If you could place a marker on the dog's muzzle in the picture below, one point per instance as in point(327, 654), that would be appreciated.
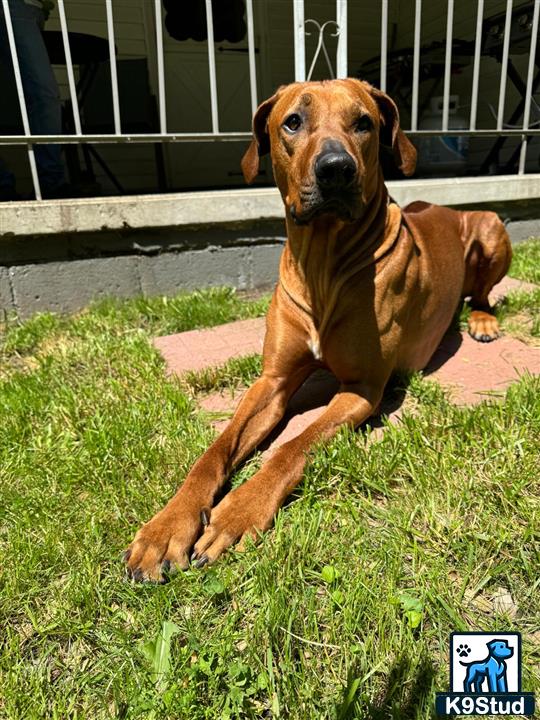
point(335, 171)
point(335, 189)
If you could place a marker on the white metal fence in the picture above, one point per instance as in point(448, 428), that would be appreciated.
point(300, 29)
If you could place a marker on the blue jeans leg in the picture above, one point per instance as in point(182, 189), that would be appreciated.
point(40, 87)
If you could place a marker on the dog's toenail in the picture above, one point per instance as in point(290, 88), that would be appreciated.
point(138, 575)
point(163, 579)
point(194, 556)
point(201, 561)
point(205, 516)
point(166, 566)
point(126, 555)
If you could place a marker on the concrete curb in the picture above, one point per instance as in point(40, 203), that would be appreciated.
point(233, 206)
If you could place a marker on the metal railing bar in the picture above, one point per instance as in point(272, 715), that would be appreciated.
point(504, 64)
point(112, 59)
point(384, 43)
point(416, 63)
point(109, 138)
point(448, 64)
point(251, 56)
point(69, 67)
point(341, 53)
point(229, 136)
point(212, 67)
point(476, 64)
point(299, 41)
point(528, 91)
point(160, 68)
point(22, 99)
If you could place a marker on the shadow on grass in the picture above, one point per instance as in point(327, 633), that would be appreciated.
point(407, 690)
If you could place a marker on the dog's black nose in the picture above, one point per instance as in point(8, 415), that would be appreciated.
point(335, 170)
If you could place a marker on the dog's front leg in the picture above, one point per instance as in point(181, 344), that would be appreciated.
point(252, 506)
point(166, 540)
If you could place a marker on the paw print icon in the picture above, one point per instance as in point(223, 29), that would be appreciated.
point(463, 650)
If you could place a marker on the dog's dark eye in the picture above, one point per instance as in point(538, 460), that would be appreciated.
point(363, 124)
point(293, 123)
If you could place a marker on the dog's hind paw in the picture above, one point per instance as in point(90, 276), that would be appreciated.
point(483, 326)
point(463, 650)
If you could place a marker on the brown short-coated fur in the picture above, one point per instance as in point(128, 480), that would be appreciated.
point(365, 289)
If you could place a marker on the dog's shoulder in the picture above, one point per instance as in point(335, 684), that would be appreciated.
point(419, 212)
point(433, 225)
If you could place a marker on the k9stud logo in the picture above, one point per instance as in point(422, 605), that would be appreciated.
point(485, 676)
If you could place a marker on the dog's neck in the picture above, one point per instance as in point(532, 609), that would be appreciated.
point(321, 257)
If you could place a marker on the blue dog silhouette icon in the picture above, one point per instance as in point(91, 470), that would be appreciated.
point(493, 669)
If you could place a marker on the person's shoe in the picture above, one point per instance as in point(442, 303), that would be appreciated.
point(8, 194)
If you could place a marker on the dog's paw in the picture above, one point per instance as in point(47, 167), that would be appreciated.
point(463, 650)
point(161, 547)
point(240, 516)
point(483, 326)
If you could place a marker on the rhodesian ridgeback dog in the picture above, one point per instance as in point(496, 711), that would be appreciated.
point(365, 289)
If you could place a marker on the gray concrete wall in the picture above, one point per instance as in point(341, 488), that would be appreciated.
point(61, 256)
point(66, 286)
point(66, 272)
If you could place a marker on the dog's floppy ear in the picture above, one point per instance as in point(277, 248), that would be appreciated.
point(392, 135)
point(260, 145)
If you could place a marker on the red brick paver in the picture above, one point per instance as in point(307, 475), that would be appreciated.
point(475, 371)
point(472, 371)
point(201, 349)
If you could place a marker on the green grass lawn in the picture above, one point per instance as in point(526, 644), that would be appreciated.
point(344, 608)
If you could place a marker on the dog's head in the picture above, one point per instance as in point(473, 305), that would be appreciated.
point(500, 649)
point(324, 138)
